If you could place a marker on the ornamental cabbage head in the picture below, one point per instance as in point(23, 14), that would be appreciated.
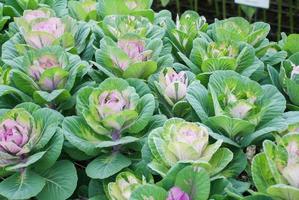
point(111, 114)
point(24, 133)
point(238, 107)
point(208, 56)
point(48, 75)
point(129, 57)
point(41, 28)
point(180, 141)
point(173, 85)
point(280, 163)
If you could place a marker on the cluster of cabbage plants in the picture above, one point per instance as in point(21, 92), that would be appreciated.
point(110, 100)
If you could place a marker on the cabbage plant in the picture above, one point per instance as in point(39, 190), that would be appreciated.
point(239, 29)
point(109, 117)
point(238, 108)
point(208, 56)
point(30, 144)
point(275, 171)
point(48, 76)
point(42, 28)
point(131, 56)
point(179, 141)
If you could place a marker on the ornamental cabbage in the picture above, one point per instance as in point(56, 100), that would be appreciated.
point(180, 141)
point(237, 107)
point(30, 144)
point(40, 28)
point(129, 57)
point(110, 114)
point(48, 76)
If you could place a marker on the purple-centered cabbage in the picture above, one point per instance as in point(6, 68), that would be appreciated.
point(180, 141)
point(173, 84)
point(24, 132)
point(135, 50)
point(40, 28)
point(14, 134)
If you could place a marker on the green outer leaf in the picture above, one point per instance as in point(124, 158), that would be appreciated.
point(195, 182)
point(146, 192)
point(237, 165)
point(145, 107)
point(169, 179)
point(47, 121)
point(56, 96)
point(198, 97)
point(82, 100)
point(53, 150)
point(231, 126)
point(73, 128)
point(213, 64)
point(61, 181)
point(220, 160)
point(29, 161)
point(292, 91)
point(23, 82)
point(291, 44)
point(5, 90)
point(277, 124)
point(261, 174)
point(284, 192)
point(121, 141)
point(22, 185)
point(140, 70)
point(30, 107)
point(107, 165)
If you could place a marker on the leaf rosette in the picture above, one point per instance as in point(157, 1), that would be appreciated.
point(130, 57)
point(237, 107)
point(109, 115)
point(47, 76)
point(179, 141)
